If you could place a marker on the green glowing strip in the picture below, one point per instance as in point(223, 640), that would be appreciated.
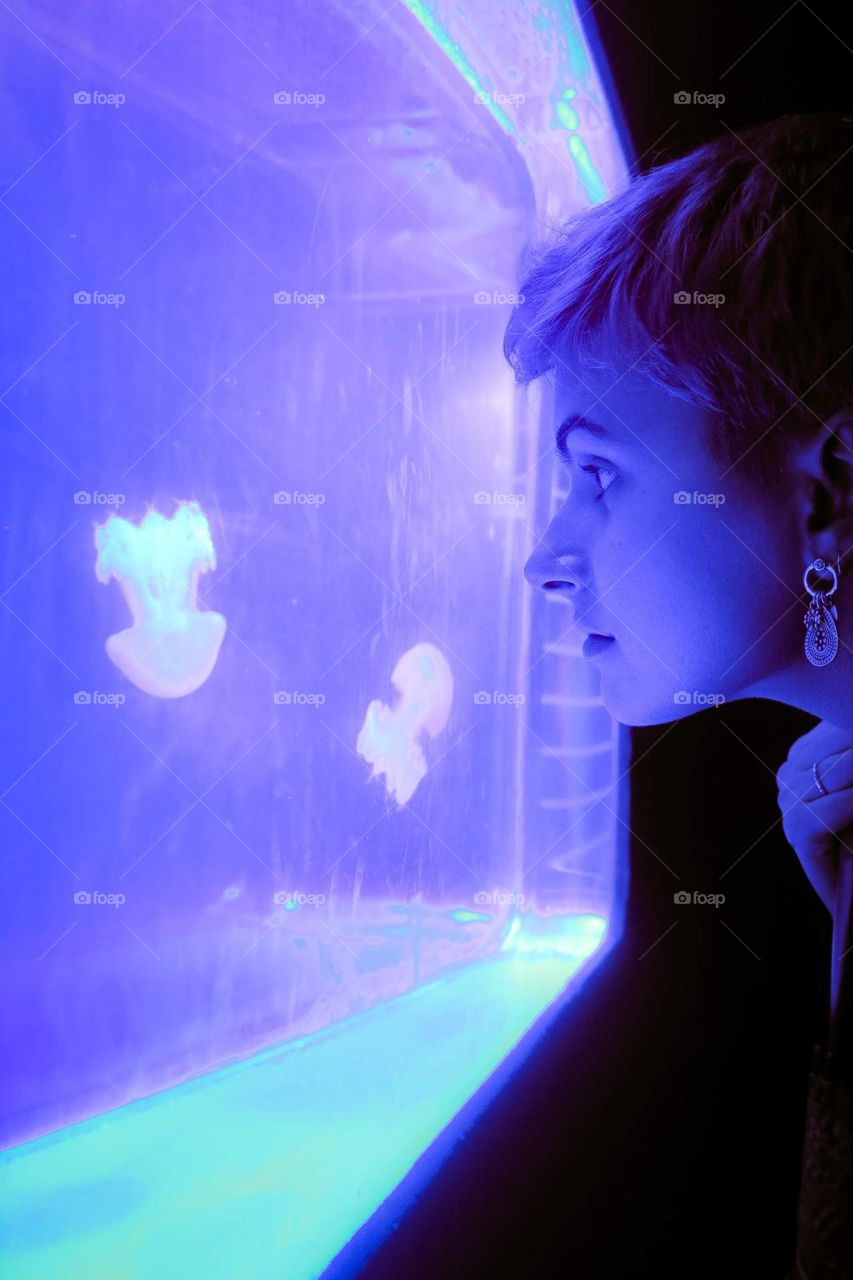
point(562, 17)
point(427, 18)
point(266, 1168)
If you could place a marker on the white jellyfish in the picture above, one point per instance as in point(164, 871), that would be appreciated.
point(172, 647)
point(390, 736)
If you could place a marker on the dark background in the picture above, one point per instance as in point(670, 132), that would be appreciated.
point(657, 1131)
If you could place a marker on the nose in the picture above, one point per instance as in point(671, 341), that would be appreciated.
point(549, 571)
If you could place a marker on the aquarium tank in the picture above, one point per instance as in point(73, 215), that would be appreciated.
point(312, 814)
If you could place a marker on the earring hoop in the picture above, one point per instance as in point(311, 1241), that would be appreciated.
point(820, 566)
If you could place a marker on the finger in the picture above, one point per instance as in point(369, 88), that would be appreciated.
point(824, 815)
point(835, 772)
point(821, 741)
point(819, 829)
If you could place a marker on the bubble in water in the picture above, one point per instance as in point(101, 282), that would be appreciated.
point(172, 647)
point(389, 739)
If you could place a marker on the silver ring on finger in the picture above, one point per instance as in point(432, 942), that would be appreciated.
point(821, 788)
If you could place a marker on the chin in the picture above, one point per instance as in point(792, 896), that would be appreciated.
point(641, 714)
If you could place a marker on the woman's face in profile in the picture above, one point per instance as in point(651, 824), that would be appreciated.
point(693, 569)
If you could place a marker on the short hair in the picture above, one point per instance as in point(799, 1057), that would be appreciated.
point(763, 217)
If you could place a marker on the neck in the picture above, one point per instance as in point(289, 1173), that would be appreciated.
point(825, 692)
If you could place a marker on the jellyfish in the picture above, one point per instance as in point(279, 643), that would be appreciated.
point(172, 646)
point(390, 736)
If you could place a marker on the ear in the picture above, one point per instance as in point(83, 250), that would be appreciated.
point(825, 476)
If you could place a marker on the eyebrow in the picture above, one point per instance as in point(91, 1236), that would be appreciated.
point(575, 422)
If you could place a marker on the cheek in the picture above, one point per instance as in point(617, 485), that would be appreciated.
point(750, 587)
point(695, 575)
point(701, 599)
point(708, 625)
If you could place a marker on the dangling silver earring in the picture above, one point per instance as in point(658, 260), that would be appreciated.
point(821, 632)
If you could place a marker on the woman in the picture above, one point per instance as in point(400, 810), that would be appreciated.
point(699, 331)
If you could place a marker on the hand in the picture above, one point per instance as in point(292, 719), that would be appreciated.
point(819, 828)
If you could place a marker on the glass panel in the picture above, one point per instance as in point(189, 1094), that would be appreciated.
point(292, 738)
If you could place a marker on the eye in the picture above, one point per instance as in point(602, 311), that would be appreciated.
point(599, 471)
point(565, 457)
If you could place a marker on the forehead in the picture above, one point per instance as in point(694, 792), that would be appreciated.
point(634, 412)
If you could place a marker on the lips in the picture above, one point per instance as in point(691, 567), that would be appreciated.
point(596, 644)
